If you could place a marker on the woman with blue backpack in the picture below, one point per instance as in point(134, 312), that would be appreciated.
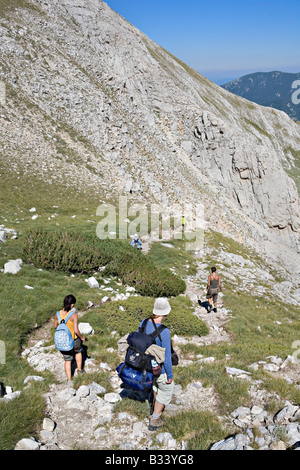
point(67, 336)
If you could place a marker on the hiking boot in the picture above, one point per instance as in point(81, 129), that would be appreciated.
point(215, 309)
point(154, 424)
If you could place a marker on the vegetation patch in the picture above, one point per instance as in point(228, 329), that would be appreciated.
point(180, 321)
point(74, 252)
point(200, 429)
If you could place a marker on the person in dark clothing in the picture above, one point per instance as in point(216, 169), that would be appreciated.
point(213, 288)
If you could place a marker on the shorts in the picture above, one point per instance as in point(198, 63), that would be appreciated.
point(69, 355)
point(164, 391)
point(212, 294)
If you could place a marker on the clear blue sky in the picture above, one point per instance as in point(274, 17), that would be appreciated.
point(221, 39)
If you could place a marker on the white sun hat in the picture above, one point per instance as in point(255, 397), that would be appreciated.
point(161, 307)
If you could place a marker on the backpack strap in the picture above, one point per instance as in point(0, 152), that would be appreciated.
point(67, 317)
point(143, 325)
point(158, 330)
point(155, 333)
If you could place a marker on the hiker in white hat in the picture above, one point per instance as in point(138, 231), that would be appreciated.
point(163, 384)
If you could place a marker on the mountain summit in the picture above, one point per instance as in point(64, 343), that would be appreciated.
point(94, 105)
point(277, 90)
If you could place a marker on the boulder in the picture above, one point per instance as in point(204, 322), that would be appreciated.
point(92, 282)
point(13, 266)
point(27, 444)
point(3, 236)
point(85, 328)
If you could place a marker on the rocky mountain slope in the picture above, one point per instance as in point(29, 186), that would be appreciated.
point(92, 102)
point(273, 89)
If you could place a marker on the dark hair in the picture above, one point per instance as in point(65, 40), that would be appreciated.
point(213, 270)
point(68, 301)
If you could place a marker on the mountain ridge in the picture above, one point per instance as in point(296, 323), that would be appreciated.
point(274, 89)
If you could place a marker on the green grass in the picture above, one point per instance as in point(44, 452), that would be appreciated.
point(199, 429)
point(75, 252)
point(178, 257)
point(22, 310)
point(9, 5)
point(180, 320)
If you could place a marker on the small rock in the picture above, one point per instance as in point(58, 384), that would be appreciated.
point(48, 425)
point(105, 366)
point(164, 437)
point(137, 430)
point(11, 396)
point(46, 436)
point(112, 397)
point(92, 282)
point(234, 371)
point(33, 378)
point(271, 367)
point(83, 391)
point(96, 388)
point(256, 410)
point(284, 415)
point(279, 445)
point(241, 411)
point(85, 328)
point(100, 432)
point(27, 444)
point(3, 236)
point(13, 266)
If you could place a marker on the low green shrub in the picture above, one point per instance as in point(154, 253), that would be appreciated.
point(74, 252)
point(180, 321)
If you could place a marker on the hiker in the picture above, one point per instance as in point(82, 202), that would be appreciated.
point(136, 242)
point(213, 288)
point(183, 222)
point(72, 324)
point(163, 384)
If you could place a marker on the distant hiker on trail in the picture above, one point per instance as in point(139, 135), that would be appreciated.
point(163, 384)
point(136, 242)
point(213, 288)
point(72, 324)
point(183, 222)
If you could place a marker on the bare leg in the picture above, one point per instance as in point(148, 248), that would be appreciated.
point(68, 369)
point(78, 359)
point(158, 408)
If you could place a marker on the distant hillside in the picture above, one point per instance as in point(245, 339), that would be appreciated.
point(272, 89)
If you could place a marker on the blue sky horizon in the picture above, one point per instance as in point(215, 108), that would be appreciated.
point(221, 40)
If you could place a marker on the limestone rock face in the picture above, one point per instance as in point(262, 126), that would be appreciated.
point(92, 99)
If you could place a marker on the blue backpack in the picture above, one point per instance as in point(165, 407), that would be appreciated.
point(135, 379)
point(63, 337)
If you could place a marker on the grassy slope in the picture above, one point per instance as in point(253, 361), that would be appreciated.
point(23, 309)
